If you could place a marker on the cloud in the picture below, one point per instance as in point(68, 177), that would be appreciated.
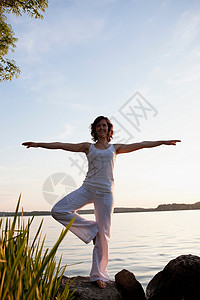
point(193, 54)
point(186, 31)
point(52, 86)
point(187, 75)
point(61, 34)
point(60, 96)
point(187, 28)
point(180, 63)
point(68, 131)
point(155, 72)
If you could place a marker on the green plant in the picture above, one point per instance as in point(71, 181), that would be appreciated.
point(27, 272)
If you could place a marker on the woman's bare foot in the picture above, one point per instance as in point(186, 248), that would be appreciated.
point(101, 284)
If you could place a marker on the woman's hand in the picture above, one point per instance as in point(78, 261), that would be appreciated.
point(171, 142)
point(30, 144)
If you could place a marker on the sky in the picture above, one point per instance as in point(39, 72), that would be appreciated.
point(136, 62)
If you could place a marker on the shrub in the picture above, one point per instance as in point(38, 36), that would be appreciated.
point(27, 271)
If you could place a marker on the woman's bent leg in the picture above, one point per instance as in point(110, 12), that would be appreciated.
point(103, 210)
point(65, 210)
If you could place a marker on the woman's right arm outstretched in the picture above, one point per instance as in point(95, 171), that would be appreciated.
point(80, 147)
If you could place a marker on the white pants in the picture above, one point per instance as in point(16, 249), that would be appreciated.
point(86, 230)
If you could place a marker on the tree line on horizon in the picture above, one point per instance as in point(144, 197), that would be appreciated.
point(160, 207)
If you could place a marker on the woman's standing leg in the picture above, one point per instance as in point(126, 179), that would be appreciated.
point(65, 210)
point(103, 203)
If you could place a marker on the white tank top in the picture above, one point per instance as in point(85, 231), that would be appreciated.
point(100, 169)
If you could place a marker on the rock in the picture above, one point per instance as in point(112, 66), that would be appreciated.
point(130, 287)
point(178, 280)
point(86, 290)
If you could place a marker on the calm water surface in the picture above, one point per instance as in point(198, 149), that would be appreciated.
point(142, 243)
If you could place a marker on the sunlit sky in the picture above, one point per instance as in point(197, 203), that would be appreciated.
point(104, 57)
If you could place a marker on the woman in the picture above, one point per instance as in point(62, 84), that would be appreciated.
point(97, 188)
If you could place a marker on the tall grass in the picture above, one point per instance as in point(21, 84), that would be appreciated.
point(27, 271)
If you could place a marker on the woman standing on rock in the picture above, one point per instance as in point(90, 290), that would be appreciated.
point(97, 188)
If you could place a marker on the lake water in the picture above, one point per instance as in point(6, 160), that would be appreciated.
point(142, 243)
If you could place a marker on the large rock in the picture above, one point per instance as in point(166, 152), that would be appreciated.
point(180, 279)
point(86, 290)
point(130, 287)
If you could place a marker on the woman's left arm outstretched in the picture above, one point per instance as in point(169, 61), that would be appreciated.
point(125, 148)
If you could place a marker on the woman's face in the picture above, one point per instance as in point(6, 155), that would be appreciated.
point(102, 128)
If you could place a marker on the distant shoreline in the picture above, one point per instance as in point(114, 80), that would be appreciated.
point(161, 207)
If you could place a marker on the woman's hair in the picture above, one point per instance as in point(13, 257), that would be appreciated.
point(93, 128)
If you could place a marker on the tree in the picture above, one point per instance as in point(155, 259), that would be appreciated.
point(33, 8)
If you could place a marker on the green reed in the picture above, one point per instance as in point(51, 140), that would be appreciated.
point(27, 272)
